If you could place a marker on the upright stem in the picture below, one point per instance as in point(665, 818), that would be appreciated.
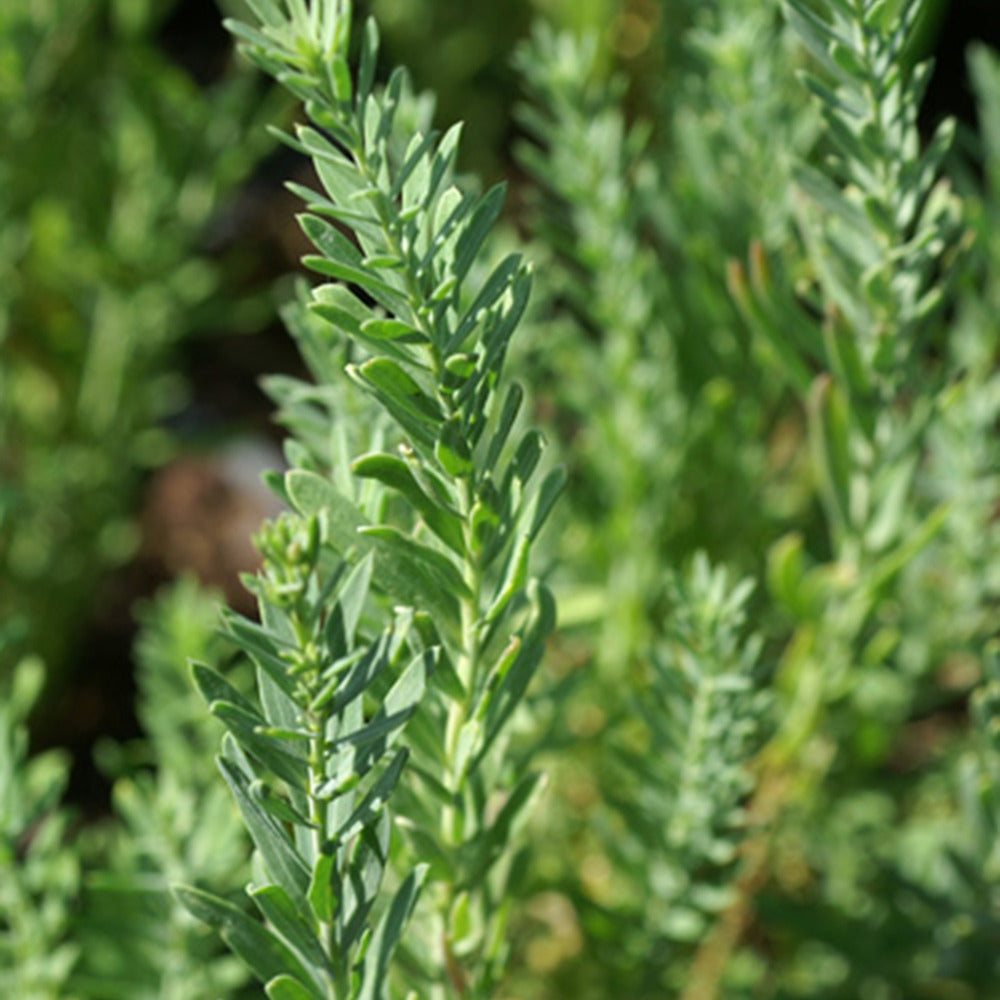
point(467, 668)
point(317, 817)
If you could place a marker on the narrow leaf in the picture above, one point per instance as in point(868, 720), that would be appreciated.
point(396, 474)
point(473, 235)
point(262, 951)
point(388, 934)
point(268, 835)
point(288, 923)
point(286, 988)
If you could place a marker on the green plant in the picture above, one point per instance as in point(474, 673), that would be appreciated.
point(602, 282)
point(375, 746)
point(628, 220)
point(88, 913)
point(676, 777)
point(881, 231)
point(107, 268)
point(173, 819)
point(40, 872)
point(787, 790)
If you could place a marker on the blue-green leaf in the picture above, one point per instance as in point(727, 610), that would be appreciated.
point(388, 934)
point(288, 923)
point(396, 570)
point(373, 804)
point(259, 644)
point(367, 62)
point(474, 234)
point(245, 724)
point(322, 897)
point(268, 834)
point(262, 951)
point(395, 473)
point(286, 988)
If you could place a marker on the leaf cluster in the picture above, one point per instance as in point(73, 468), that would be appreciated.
point(442, 526)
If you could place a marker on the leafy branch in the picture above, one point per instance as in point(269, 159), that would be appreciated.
point(360, 706)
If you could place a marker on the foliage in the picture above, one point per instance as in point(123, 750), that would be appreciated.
point(762, 343)
point(173, 820)
point(40, 872)
point(122, 162)
point(88, 914)
point(674, 791)
point(319, 762)
point(462, 53)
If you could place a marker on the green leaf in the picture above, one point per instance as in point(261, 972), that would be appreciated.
point(286, 988)
point(322, 896)
point(512, 687)
point(358, 219)
point(330, 241)
point(359, 677)
point(276, 806)
point(552, 486)
point(367, 62)
point(280, 710)
point(819, 37)
point(367, 862)
point(452, 450)
point(828, 432)
point(405, 695)
point(388, 934)
point(499, 327)
point(527, 456)
point(395, 473)
point(845, 359)
point(437, 564)
point(288, 923)
point(469, 742)
point(312, 493)
point(414, 420)
point(452, 209)
point(268, 834)
point(339, 76)
point(379, 290)
point(830, 200)
point(495, 285)
point(490, 845)
point(244, 726)
point(262, 951)
point(247, 35)
point(472, 237)
point(515, 578)
point(786, 576)
point(353, 595)
point(390, 329)
point(415, 153)
point(396, 571)
point(214, 687)
point(25, 688)
point(268, 13)
point(379, 734)
point(395, 384)
point(840, 101)
point(373, 804)
point(398, 81)
point(339, 176)
point(499, 671)
point(508, 414)
point(886, 568)
point(257, 642)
